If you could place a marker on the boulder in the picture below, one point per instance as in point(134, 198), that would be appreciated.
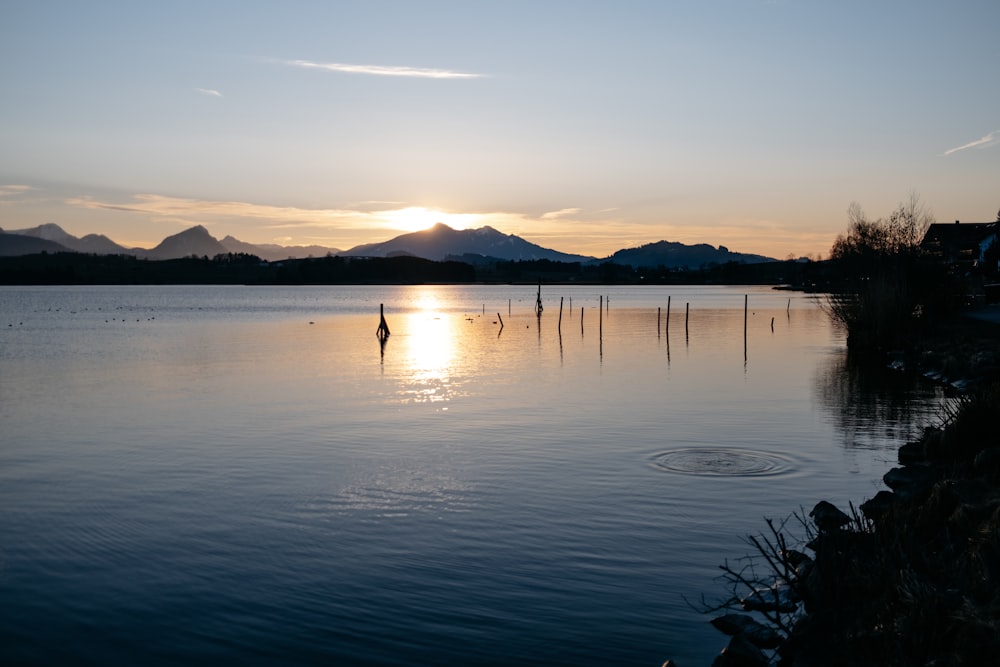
point(987, 461)
point(910, 482)
point(877, 507)
point(756, 633)
point(740, 653)
point(828, 517)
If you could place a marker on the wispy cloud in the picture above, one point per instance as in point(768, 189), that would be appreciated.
point(561, 213)
point(209, 92)
point(381, 70)
point(194, 209)
point(8, 192)
point(982, 142)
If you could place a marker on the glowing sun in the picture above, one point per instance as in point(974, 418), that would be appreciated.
point(419, 218)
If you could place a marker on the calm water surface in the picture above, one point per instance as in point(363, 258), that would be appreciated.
point(195, 475)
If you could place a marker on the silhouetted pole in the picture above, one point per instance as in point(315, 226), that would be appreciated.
point(657, 321)
point(600, 318)
point(581, 319)
point(668, 314)
point(559, 328)
point(383, 329)
point(538, 300)
point(501, 320)
point(746, 301)
point(687, 314)
point(772, 325)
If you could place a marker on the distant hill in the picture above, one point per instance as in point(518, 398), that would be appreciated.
point(276, 253)
point(14, 245)
point(96, 244)
point(441, 242)
point(673, 255)
point(194, 241)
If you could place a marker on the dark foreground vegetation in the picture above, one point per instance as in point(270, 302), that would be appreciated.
point(912, 575)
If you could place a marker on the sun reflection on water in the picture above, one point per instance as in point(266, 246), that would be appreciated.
point(429, 336)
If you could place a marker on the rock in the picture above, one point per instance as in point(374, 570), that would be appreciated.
point(780, 597)
point(988, 460)
point(756, 633)
point(910, 482)
point(794, 558)
point(826, 516)
point(740, 653)
point(912, 452)
point(877, 507)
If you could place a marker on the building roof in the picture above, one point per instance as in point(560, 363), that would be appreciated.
point(958, 234)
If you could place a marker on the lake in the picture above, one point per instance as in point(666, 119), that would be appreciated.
point(245, 475)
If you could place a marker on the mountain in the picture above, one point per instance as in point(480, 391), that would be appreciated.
point(194, 241)
point(441, 242)
point(675, 255)
point(14, 245)
point(96, 244)
point(275, 253)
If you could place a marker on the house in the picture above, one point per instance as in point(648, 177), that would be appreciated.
point(962, 245)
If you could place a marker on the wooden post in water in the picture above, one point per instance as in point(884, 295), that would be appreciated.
point(687, 314)
point(772, 325)
point(508, 307)
point(600, 320)
point(538, 300)
point(501, 320)
point(746, 300)
point(668, 314)
point(657, 321)
point(383, 329)
point(582, 308)
point(559, 327)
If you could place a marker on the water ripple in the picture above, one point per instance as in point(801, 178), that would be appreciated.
point(723, 462)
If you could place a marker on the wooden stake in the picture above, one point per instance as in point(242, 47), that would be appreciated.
point(746, 300)
point(383, 329)
point(560, 314)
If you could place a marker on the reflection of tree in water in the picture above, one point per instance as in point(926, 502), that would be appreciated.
point(875, 407)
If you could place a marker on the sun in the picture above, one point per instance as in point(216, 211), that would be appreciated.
point(419, 218)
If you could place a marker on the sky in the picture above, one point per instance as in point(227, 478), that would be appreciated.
point(581, 126)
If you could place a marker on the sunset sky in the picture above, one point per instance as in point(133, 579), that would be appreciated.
point(581, 126)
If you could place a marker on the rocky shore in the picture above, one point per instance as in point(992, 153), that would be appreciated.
point(910, 576)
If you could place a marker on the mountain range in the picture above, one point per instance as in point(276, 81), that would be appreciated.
point(440, 242)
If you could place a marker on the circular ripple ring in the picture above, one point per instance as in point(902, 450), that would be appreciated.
point(723, 462)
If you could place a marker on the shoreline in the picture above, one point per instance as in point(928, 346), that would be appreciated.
point(912, 575)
